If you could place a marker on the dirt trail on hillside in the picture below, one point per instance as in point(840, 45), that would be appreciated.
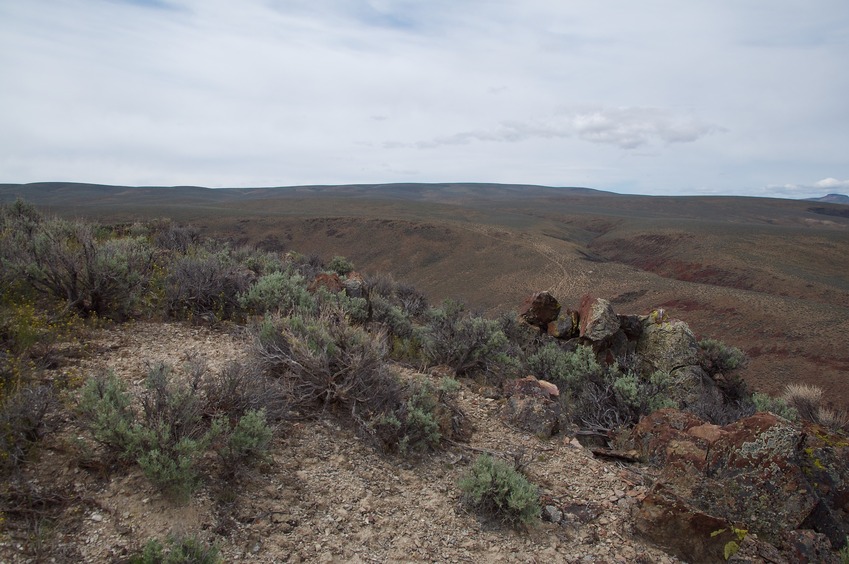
point(326, 496)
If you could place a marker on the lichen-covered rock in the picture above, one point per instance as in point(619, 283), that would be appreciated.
point(762, 473)
point(682, 529)
point(531, 406)
point(668, 346)
point(566, 326)
point(355, 286)
point(691, 386)
point(539, 309)
point(598, 320)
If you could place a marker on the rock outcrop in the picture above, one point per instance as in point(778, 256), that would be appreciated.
point(761, 475)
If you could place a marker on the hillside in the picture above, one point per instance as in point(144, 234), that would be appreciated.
point(768, 275)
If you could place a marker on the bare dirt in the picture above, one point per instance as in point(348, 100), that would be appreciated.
point(325, 495)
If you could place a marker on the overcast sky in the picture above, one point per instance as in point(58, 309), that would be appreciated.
point(655, 97)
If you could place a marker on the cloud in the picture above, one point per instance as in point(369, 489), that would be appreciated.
point(625, 128)
point(819, 188)
point(832, 184)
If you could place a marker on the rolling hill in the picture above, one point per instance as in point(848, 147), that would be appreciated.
point(768, 275)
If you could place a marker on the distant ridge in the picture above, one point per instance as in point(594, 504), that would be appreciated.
point(831, 199)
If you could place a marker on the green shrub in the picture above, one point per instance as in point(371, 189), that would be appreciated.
point(413, 426)
point(460, 340)
point(718, 358)
point(105, 409)
point(778, 406)
point(92, 271)
point(284, 292)
point(498, 490)
point(323, 360)
point(341, 266)
point(249, 440)
point(566, 369)
point(204, 285)
point(618, 396)
point(392, 317)
point(177, 550)
point(23, 422)
point(170, 435)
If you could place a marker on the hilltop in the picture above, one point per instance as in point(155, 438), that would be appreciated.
point(165, 393)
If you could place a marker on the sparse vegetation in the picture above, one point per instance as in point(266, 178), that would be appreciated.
point(177, 550)
point(319, 353)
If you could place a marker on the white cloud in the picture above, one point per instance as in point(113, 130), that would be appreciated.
point(833, 184)
point(626, 128)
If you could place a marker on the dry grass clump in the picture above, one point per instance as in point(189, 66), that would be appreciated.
point(807, 400)
point(804, 398)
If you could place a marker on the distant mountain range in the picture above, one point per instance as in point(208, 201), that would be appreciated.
point(831, 199)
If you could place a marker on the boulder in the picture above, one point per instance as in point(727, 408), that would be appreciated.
point(682, 529)
point(757, 473)
point(668, 346)
point(598, 320)
point(531, 406)
point(539, 309)
point(355, 286)
point(566, 326)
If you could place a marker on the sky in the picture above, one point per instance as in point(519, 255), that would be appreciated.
point(663, 97)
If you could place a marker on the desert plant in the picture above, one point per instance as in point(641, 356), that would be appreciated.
point(567, 369)
point(764, 402)
point(805, 399)
point(416, 424)
point(177, 550)
point(495, 488)
point(460, 340)
point(240, 387)
point(248, 441)
point(204, 285)
point(340, 265)
point(77, 262)
point(104, 407)
point(619, 398)
point(716, 357)
point(412, 301)
point(392, 317)
point(284, 292)
point(322, 360)
point(833, 418)
point(23, 422)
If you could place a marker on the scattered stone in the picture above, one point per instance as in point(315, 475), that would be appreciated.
point(552, 514)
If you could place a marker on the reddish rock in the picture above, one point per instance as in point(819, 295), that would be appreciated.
point(531, 407)
point(598, 320)
point(681, 529)
point(329, 281)
point(808, 547)
point(539, 309)
point(761, 473)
